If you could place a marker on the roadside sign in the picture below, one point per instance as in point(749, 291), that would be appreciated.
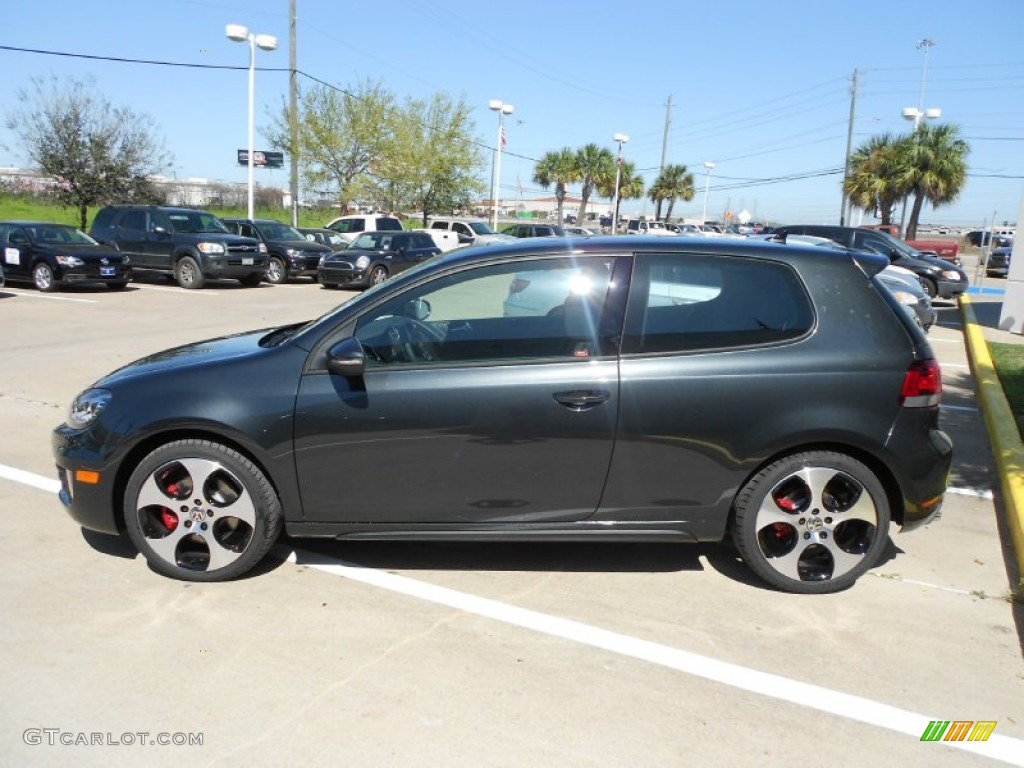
point(261, 158)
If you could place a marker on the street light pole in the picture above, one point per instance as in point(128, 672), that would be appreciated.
point(621, 138)
point(708, 167)
point(918, 113)
point(240, 34)
point(502, 109)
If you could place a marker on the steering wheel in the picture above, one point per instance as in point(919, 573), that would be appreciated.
point(413, 341)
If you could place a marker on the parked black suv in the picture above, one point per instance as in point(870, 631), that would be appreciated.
point(191, 245)
point(939, 277)
point(289, 252)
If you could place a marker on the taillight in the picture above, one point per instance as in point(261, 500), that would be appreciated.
point(922, 384)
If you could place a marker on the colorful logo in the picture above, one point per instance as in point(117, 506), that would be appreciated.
point(958, 730)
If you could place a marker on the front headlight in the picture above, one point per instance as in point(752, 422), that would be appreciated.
point(322, 260)
point(69, 261)
point(363, 262)
point(87, 406)
point(292, 253)
point(951, 275)
point(262, 247)
point(210, 248)
point(904, 297)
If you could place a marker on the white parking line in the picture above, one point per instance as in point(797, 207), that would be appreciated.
point(860, 709)
point(913, 724)
point(978, 493)
point(970, 408)
point(182, 291)
point(51, 298)
point(29, 478)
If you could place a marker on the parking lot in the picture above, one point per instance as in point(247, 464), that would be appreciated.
point(400, 654)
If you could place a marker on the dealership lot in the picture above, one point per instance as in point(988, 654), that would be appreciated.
point(471, 654)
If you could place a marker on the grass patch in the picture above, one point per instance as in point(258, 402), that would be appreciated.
point(1009, 362)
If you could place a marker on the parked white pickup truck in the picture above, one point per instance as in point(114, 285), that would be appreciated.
point(645, 227)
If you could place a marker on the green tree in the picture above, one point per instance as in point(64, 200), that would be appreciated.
point(96, 152)
point(935, 168)
point(595, 166)
point(558, 168)
point(877, 179)
point(432, 163)
point(631, 186)
point(342, 134)
point(673, 182)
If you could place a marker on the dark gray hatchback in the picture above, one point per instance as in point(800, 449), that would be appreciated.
point(617, 389)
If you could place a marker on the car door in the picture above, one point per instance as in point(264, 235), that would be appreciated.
point(494, 419)
point(133, 237)
point(17, 257)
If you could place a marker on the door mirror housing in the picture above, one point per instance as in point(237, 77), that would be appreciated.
point(347, 358)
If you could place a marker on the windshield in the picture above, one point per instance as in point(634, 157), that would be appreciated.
point(481, 228)
point(195, 222)
point(898, 245)
point(275, 230)
point(373, 241)
point(62, 235)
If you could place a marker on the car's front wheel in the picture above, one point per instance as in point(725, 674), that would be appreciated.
point(812, 522)
point(200, 511)
point(377, 275)
point(42, 277)
point(277, 271)
point(188, 274)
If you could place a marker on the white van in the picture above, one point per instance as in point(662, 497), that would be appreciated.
point(470, 231)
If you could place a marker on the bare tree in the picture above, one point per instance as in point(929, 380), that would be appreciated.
point(97, 152)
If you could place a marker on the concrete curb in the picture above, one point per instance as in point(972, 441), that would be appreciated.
point(1002, 430)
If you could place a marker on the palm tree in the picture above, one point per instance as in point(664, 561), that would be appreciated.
point(657, 194)
point(876, 181)
point(631, 185)
point(594, 166)
point(558, 168)
point(936, 168)
point(677, 182)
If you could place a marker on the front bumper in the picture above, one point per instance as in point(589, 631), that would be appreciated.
point(96, 274)
point(87, 482)
point(351, 277)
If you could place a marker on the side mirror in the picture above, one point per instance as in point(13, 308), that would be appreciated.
point(160, 230)
point(347, 358)
point(418, 309)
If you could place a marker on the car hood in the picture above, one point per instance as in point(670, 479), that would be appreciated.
point(199, 353)
point(82, 250)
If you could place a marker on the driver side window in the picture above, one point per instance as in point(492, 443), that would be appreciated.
point(544, 309)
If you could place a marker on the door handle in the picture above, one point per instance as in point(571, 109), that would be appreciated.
point(582, 399)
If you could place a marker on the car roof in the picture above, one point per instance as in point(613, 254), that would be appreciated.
point(28, 223)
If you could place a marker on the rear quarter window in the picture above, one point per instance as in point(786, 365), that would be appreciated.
point(688, 302)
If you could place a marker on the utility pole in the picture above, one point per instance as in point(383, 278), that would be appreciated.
point(849, 148)
point(668, 122)
point(293, 115)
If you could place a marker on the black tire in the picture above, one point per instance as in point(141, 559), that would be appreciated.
point(120, 286)
point(200, 511)
point(930, 287)
point(251, 281)
point(812, 523)
point(188, 274)
point(43, 278)
point(277, 271)
point(377, 276)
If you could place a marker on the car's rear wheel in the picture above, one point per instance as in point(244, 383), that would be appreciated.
point(812, 522)
point(377, 275)
point(42, 278)
point(188, 274)
point(277, 272)
point(200, 511)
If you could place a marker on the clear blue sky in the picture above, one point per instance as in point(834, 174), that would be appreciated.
point(762, 89)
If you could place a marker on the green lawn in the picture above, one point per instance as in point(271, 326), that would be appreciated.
point(1009, 361)
point(19, 207)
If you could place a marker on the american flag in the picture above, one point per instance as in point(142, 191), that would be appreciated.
point(501, 136)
